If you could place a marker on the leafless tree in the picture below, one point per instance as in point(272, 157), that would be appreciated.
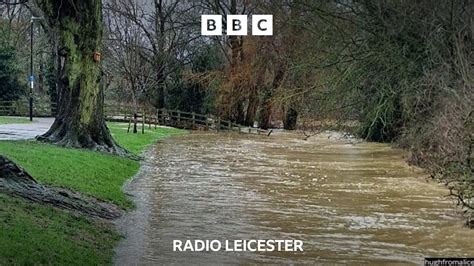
point(166, 29)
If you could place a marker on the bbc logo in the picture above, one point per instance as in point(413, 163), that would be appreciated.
point(262, 25)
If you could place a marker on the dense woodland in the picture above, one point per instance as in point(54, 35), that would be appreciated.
point(389, 71)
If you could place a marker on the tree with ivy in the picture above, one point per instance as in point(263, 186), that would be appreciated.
point(75, 29)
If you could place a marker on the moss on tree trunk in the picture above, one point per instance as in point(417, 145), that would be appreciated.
point(75, 28)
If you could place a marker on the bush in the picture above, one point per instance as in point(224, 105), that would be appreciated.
point(10, 88)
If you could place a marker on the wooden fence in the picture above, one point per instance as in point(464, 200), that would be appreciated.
point(21, 108)
point(144, 116)
point(175, 118)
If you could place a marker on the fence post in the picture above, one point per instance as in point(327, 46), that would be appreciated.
point(163, 120)
point(135, 121)
point(150, 121)
point(218, 127)
point(179, 116)
point(143, 121)
point(129, 124)
point(194, 120)
point(157, 117)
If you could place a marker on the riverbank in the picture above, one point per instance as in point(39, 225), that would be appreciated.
point(38, 234)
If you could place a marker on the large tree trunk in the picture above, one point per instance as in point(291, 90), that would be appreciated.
point(161, 101)
point(267, 105)
point(291, 119)
point(75, 28)
point(15, 181)
point(160, 30)
point(254, 100)
point(265, 112)
point(252, 108)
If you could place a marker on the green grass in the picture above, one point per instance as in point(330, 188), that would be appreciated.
point(13, 120)
point(137, 142)
point(92, 173)
point(32, 234)
point(38, 234)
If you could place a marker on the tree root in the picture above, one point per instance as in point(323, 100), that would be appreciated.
point(15, 181)
point(68, 132)
point(90, 145)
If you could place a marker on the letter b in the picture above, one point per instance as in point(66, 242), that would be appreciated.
point(211, 25)
point(236, 25)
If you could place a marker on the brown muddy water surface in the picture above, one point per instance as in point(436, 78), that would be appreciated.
point(348, 202)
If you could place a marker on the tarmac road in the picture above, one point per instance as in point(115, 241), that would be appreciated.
point(25, 131)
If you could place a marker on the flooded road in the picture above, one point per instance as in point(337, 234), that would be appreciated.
point(348, 203)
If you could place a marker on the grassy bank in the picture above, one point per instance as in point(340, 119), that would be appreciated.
point(13, 120)
point(137, 143)
point(33, 234)
point(92, 173)
point(36, 234)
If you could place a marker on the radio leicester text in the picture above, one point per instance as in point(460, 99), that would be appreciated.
point(238, 245)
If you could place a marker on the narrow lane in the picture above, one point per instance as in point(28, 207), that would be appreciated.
point(25, 131)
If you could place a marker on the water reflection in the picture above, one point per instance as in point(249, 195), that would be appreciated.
point(349, 203)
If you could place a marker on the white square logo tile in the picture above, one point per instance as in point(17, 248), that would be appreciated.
point(262, 25)
point(211, 25)
point(236, 25)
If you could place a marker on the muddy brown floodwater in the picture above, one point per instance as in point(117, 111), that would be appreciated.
point(348, 202)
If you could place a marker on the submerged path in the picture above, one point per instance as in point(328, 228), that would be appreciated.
point(349, 203)
point(26, 130)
